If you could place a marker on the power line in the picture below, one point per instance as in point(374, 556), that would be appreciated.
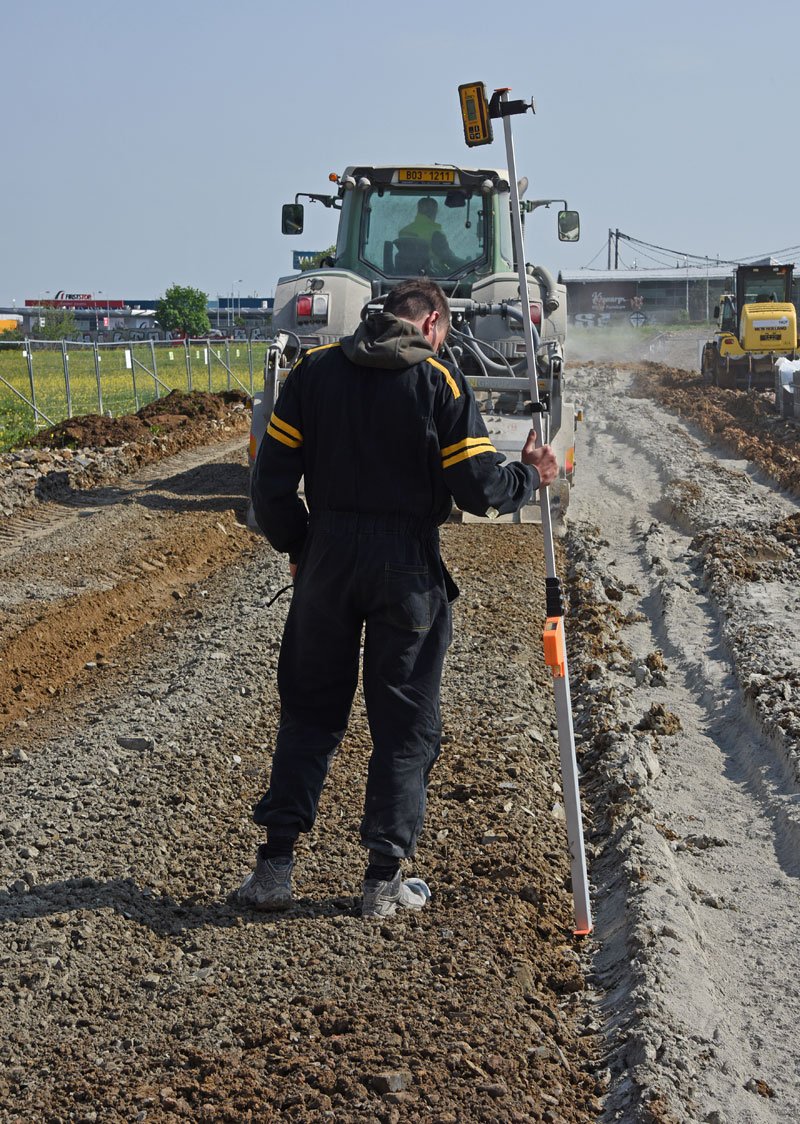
point(708, 259)
point(793, 250)
point(602, 250)
point(700, 258)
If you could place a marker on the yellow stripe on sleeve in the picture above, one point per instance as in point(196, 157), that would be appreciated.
point(451, 382)
point(289, 430)
point(284, 440)
point(283, 432)
point(471, 447)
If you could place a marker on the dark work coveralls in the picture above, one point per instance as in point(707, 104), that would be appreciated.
point(385, 435)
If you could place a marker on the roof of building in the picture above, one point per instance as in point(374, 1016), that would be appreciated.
point(691, 273)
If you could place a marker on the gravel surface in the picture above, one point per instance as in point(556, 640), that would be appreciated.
point(139, 651)
point(137, 708)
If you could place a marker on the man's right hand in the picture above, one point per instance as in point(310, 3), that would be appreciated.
point(543, 459)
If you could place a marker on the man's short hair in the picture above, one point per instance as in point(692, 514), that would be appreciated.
point(414, 299)
point(428, 206)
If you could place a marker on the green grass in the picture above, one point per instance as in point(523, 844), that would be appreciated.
point(125, 379)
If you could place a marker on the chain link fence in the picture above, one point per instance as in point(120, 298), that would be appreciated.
point(42, 382)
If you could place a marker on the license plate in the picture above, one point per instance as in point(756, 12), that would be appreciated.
point(426, 175)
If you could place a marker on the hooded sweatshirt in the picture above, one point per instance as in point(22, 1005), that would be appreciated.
point(378, 425)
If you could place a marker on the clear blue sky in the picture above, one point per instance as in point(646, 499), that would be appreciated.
point(152, 143)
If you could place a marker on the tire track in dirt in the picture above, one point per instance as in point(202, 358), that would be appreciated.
point(81, 577)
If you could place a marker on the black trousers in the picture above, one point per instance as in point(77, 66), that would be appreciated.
point(384, 576)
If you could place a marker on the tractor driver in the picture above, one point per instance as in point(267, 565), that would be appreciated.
point(431, 238)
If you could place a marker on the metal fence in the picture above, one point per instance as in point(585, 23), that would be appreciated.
point(43, 382)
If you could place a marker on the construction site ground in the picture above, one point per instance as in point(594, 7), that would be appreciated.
point(140, 622)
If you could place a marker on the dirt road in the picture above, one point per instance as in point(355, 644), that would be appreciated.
point(137, 705)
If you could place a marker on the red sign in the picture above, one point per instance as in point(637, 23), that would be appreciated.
point(75, 302)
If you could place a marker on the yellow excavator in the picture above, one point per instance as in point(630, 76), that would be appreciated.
point(757, 323)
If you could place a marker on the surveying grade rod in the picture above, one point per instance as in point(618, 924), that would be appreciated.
point(554, 645)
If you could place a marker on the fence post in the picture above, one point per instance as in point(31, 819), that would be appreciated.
point(65, 360)
point(29, 359)
point(208, 362)
point(97, 376)
point(188, 366)
point(133, 376)
point(250, 363)
point(228, 361)
point(155, 368)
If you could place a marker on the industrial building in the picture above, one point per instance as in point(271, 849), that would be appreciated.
point(597, 297)
point(128, 317)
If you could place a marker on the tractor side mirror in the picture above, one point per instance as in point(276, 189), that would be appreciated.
point(569, 226)
point(716, 312)
point(292, 218)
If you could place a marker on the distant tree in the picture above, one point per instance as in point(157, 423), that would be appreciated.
point(184, 309)
point(59, 324)
point(316, 261)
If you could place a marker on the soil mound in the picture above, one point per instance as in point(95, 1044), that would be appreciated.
point(162, 415)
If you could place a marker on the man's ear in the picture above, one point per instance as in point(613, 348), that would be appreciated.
point(430, 322)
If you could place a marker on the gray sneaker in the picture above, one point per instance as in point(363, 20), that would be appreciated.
point(383, 899)
point(270, 884)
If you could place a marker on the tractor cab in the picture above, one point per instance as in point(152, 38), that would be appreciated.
point(450, 224)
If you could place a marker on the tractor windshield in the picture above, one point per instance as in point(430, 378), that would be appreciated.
point(435, 233)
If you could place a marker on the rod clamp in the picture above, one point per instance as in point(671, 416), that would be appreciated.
point(500, 108)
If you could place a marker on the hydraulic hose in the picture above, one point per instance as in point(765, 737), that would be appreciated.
point(545, 277)
point(480, 348)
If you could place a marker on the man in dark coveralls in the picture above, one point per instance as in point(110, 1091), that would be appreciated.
point(386, 435)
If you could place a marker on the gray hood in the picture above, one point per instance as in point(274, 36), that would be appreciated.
point(386, 341)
